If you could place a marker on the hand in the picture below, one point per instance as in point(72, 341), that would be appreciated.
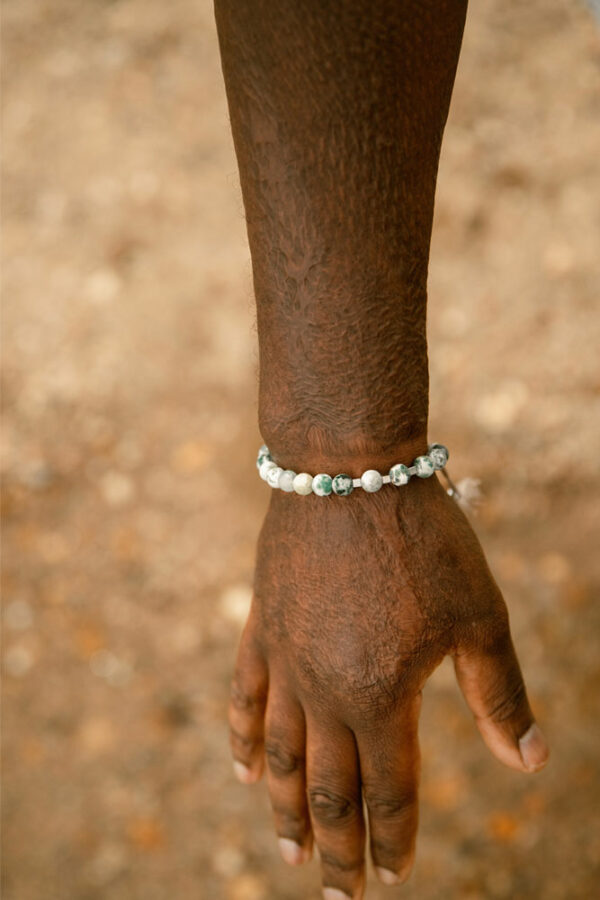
point(356, 601)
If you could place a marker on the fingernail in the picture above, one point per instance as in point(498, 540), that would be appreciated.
point(291, 852)
point(386, 876)
point(243, 773)
point(335, 894)
point(533, 748)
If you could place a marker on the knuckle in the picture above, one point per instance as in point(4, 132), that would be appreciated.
point(494, 630)
point(375, 698)
point(385, 853)
point(291, 823)
point(242, 742)
point(329, 807)
point(391, 805)
point(331, 861)
point(505, 704)
point(280, 760)
point(243, 701)
point(287, 815)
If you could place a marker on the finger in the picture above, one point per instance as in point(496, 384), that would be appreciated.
point(333, 785)
point(490, 678)
point(389, 767)
point(246, 709)
point(285, 743)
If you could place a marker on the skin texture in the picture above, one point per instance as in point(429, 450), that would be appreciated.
point(337, 113)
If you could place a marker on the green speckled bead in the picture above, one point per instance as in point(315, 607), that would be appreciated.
point(286, 481)
point(322, 485)
point(263, 453)
point(302, 483)
point(399, 474)
point(342, 485)
point(438, 454)
point(424, 466)
point(261, 458)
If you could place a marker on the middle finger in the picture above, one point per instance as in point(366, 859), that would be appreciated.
point(333, 783)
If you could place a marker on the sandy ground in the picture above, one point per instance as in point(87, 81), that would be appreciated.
point(131, 502)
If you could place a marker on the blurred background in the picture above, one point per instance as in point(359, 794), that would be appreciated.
point(131, 501)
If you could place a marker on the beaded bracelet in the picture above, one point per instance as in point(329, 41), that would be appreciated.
point(323, 485)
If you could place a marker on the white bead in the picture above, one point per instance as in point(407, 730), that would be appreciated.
point(371, 480)
point(286, 481)
point(303, 483)
point(273, 476)
point(265, 466)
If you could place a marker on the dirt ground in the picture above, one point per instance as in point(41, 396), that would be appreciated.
point(131, 501)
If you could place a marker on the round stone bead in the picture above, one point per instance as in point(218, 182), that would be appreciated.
point(286, 481)
point(424, 466)
point(264, 467)
point(371, 480)
point(302, 483)
point(438, 454)
point(342, 485)
point(263, 453)
point(261, 459)
point(273, 476)
point(322, 485)
point(399, 474)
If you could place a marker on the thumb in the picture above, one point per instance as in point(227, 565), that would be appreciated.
point(490, 679)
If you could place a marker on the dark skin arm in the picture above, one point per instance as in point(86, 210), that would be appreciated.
point(337, 113)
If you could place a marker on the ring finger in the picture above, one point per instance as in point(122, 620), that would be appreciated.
point(390, 763)
point(285, 741)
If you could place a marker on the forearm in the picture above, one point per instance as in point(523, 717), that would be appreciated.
point(337, 112)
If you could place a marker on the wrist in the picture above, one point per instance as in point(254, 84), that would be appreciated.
point(322, 450)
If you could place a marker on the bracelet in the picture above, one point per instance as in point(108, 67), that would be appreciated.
point(323, 485)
